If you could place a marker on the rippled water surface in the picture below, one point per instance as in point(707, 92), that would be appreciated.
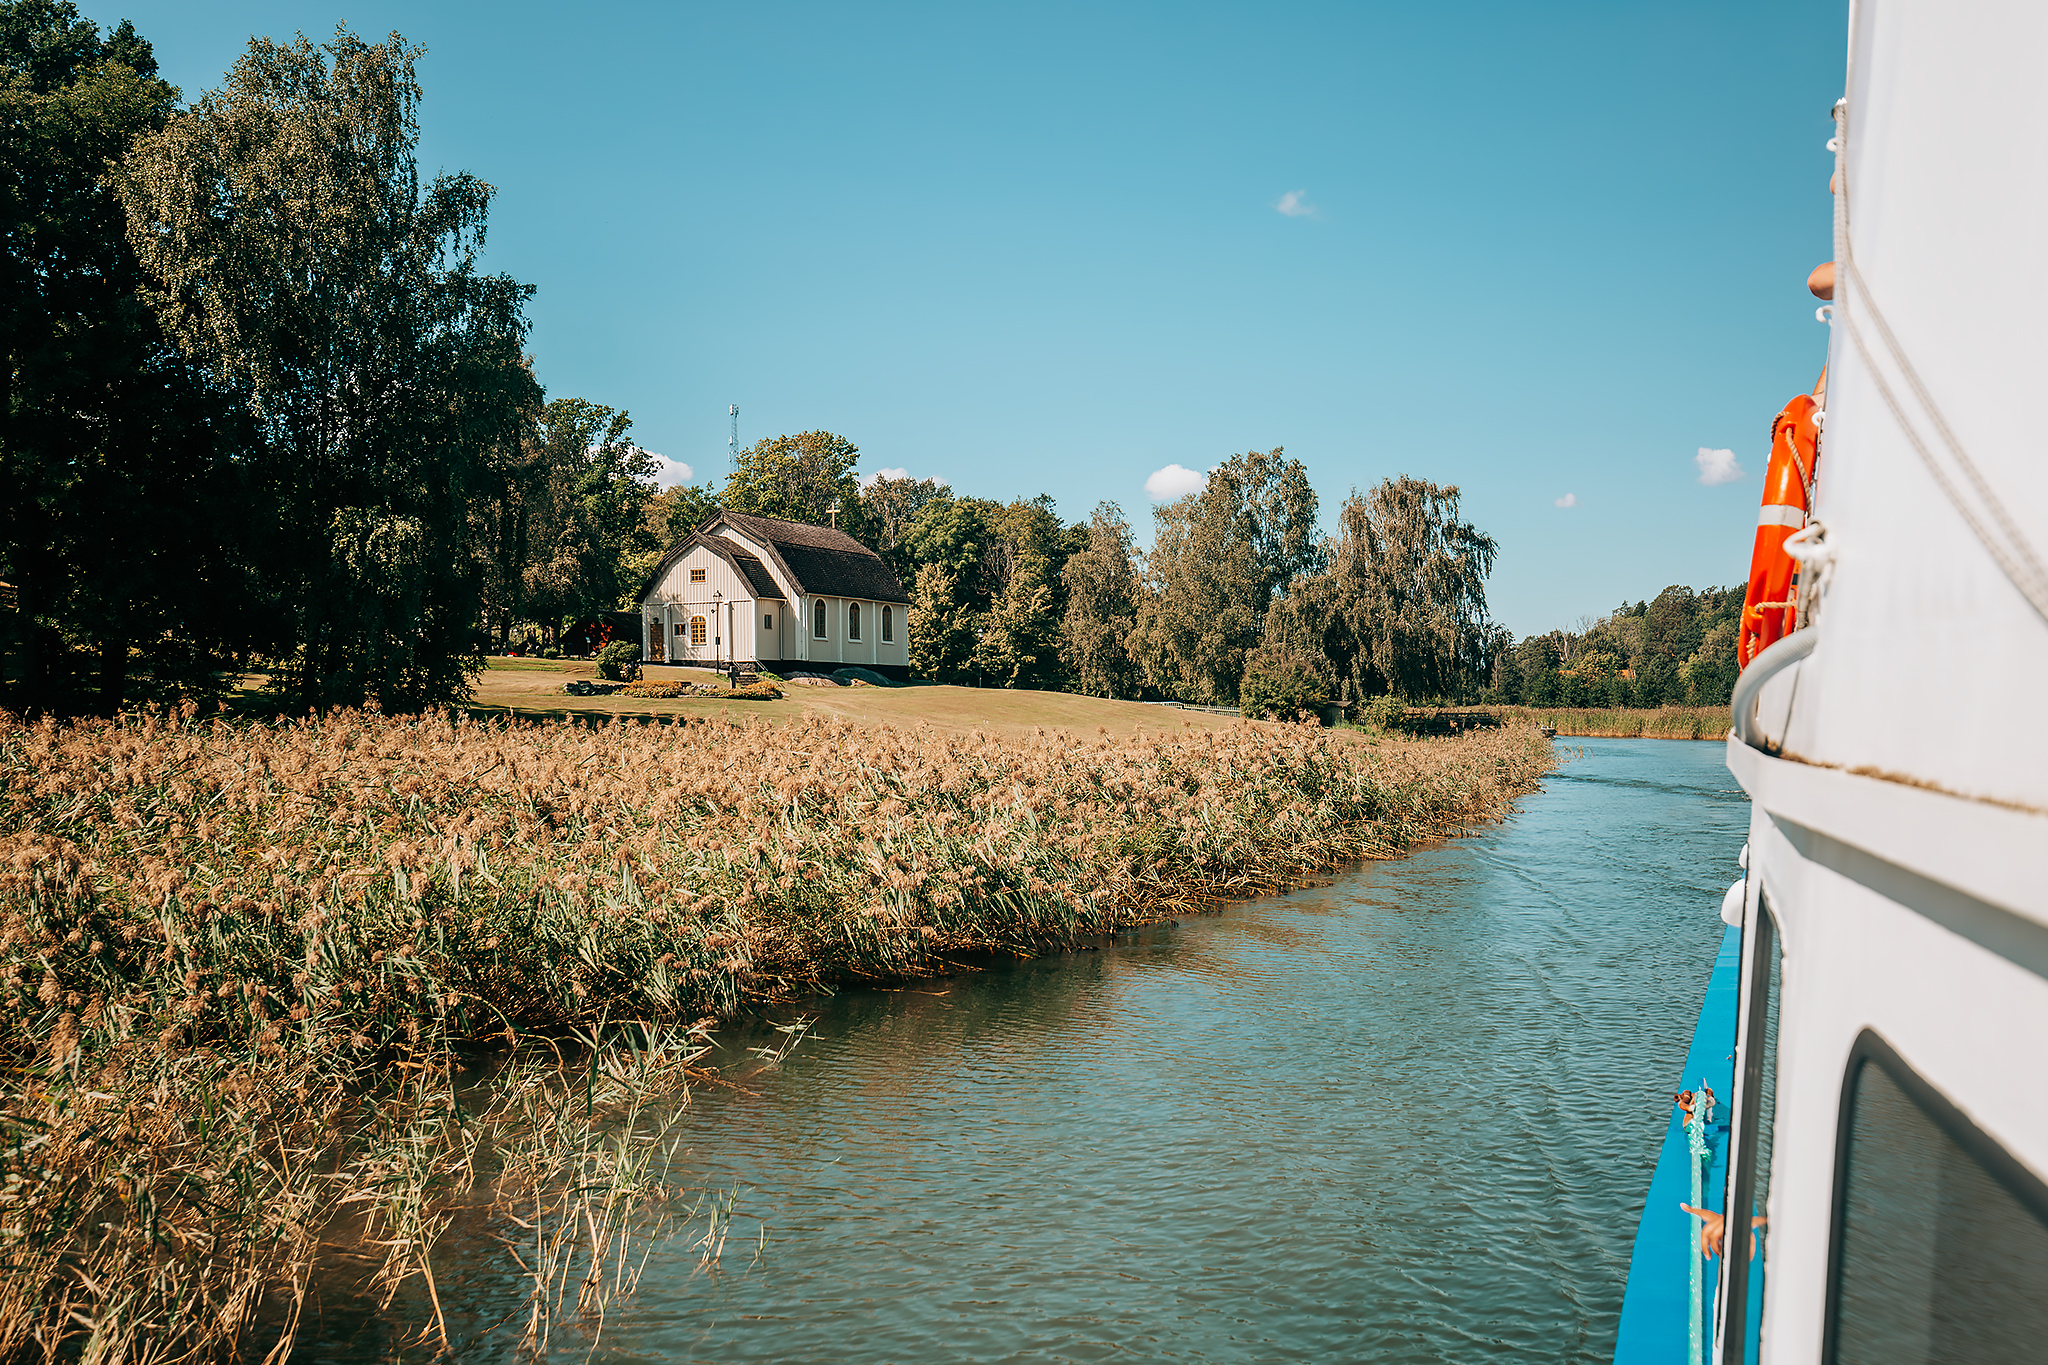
point(1408, 1116)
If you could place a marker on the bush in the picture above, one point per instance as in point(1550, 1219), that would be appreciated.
point(615, 661)
point(759, 691)
point(1384, 713)
point(657, 689)
point(1283, 684)
point(551, 653)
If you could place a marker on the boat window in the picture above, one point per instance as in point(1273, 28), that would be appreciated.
point(1745, 1263)
point(1941, 1237)
point(853, 620)
point(888, 625)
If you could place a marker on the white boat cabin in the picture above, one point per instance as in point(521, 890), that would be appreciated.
point(781, 595)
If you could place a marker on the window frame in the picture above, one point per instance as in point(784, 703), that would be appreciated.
point(818, 619)
point(853, 620)
point(699, 632)
point(888, 624)
point(697, 575)
point(1988, 1152)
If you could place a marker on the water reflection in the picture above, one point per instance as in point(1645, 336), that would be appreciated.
point(1405, 1117)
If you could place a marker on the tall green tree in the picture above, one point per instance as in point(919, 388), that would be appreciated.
point(1401, 608)
point(945, 542)
point(1219, 559)
point(291, 248)
point(1102, 608)
point(890, 507)
point(678, 510)
point(1020, 633)
point(122, 505)
point(590, 529)
point(806, 477)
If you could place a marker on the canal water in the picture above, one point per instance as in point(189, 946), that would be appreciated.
point(1407, 1116)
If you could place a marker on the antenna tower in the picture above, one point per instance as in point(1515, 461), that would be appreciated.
point(732, 442)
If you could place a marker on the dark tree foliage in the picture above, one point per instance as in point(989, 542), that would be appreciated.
point(126, 510)
point(292, 250)
point(1219, 560)
point(1676, 649)
point(1401, 610)
point(806, 477)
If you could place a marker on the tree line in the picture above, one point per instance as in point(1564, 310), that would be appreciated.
point(1239, 601)
point(263, 402)
point(1677, 649)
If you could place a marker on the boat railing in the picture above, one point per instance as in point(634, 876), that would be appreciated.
point(1765, 666)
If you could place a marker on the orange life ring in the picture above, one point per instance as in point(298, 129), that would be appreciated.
point(1770, 607)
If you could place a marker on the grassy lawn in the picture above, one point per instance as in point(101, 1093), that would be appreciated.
point(534, 687)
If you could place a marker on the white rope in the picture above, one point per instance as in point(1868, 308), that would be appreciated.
point(1986, 516)
point(1810, 548)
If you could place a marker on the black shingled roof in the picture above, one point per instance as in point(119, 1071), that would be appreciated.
point(820, 560)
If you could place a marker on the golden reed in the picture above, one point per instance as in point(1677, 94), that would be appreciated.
point(240, 965)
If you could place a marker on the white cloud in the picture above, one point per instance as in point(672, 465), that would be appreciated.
point(871, 479)
point(1295, 204)
point(1172, 482)
point(670, 471)
point(1719, 466)
point(1568, 500)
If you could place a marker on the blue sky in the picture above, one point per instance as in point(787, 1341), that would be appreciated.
point(1539, 251)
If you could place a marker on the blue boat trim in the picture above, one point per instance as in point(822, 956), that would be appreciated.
point(1654, 1311)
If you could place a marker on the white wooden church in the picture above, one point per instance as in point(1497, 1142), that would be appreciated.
point(782, 595)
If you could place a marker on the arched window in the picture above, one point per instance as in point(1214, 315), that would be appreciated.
point(888, 625)
point(817, 620)
point(696, 632)
point(853, 620)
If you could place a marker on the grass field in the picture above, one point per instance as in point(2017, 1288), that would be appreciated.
point(252, 974)
point(533, 687)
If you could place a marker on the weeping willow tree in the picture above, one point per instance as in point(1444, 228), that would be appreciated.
point(1402, 607)
point(290, 248)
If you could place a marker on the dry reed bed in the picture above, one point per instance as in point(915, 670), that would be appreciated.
point(238, 964)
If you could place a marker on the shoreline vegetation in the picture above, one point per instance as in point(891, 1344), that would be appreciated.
point(1659, 722)
point(286, 1004)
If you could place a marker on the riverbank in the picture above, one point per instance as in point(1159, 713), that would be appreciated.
point(249, 969)
point(1662, 722)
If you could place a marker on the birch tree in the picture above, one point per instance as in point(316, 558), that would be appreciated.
point(290, 247)
point(1102, 608)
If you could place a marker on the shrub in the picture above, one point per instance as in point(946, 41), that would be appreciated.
point(758, 691)
point(1283, 684)
point(551, 652)
point(615, 661)
point(1384, 713)
point(657, 689)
